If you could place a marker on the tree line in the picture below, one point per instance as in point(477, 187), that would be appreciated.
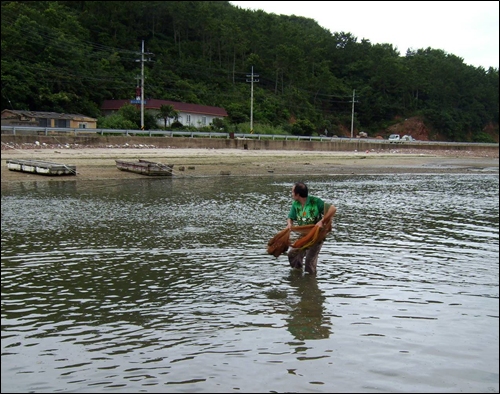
point(70, 56)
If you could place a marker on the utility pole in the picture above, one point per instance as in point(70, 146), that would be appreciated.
point(252, 80)
point(142, 87)
point(352, 115)
point(142, 60)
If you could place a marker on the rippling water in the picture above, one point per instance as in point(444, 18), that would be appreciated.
point(164, 285)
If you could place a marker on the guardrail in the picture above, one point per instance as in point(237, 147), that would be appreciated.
point(29, 130)
point(14, 130)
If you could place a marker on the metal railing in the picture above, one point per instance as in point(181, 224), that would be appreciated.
point(29, 130)
point(24, 130)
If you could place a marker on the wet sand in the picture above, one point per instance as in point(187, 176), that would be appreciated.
point(99, 163)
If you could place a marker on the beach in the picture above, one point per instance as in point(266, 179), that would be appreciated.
point(99, 163)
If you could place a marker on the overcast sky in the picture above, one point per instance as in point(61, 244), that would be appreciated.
point(467, 29)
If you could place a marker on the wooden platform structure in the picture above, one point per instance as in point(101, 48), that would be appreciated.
point(145, 167)
point(41, 167)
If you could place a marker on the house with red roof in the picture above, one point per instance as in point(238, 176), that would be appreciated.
point(189, 114)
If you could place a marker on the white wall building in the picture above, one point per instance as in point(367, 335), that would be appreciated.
point(189, 114)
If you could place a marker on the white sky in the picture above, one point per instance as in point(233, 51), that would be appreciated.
point(467, 29)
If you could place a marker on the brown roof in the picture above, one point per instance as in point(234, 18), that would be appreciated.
point(44, 114)
point(109, 105)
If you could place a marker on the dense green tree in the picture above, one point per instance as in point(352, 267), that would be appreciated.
point(219, 124)
point(69, 56)
point(115, 121)
point(166, 113)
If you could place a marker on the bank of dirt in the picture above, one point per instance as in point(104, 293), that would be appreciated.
point(99, 163)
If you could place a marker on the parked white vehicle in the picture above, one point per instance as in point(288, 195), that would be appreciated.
point(407, 138)
point(394, 138)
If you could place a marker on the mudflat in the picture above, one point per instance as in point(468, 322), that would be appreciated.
point(99, 163)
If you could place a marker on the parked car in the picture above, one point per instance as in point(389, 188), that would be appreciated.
point(407, 138)
point(394, 138)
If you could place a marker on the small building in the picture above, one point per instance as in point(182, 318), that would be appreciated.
point(189, 114)
point(12, 117)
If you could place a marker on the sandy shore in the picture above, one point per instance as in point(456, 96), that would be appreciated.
point(99, 163)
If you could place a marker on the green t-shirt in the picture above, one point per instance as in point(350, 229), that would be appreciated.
point(312, 212)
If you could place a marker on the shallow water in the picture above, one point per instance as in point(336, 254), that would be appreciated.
point(164, 285)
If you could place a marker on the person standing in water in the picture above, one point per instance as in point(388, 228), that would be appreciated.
point(307, 210)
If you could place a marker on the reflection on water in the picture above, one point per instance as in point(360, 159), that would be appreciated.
point(164, 285)
point(307, 320)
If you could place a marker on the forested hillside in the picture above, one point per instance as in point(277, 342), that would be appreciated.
point(69, 56)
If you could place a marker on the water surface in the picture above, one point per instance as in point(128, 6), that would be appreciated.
point(164, 285)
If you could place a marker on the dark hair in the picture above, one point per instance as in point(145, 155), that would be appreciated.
point(300, 188)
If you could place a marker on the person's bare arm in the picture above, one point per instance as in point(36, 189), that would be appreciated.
point(330, 212)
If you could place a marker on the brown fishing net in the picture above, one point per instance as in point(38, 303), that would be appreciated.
point(279, 244)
